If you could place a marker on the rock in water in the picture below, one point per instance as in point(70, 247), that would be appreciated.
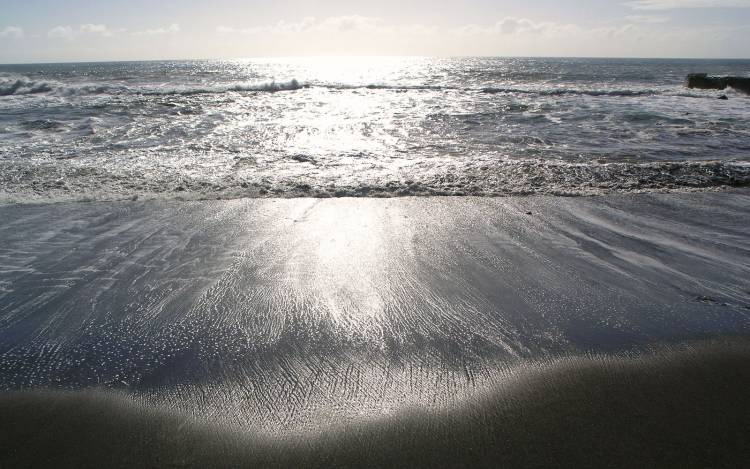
point(723, 97)
point(739, 84)
point(704, 82)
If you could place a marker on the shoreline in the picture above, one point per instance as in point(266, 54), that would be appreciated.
point(48, 199)
point(79, 182)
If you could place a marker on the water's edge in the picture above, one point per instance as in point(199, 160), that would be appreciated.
point(47, 183)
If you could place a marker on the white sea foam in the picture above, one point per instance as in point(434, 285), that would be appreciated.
point(38, 183)
point(17, 85)
point(20, 85)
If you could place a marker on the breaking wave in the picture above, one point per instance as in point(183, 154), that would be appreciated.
point(506, 90)
point(10, 86)
point(22, 85)
point(272, 87)
point(572, 91)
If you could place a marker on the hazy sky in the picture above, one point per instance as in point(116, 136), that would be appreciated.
point(71, 30)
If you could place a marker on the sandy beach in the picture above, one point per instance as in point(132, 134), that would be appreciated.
point(298, 317)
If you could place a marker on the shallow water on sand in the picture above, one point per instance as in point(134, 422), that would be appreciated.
point(288, 315)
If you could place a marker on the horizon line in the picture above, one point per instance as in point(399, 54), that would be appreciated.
point(102, 61)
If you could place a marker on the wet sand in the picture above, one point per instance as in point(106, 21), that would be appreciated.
point(281, 318)
point(683, 407)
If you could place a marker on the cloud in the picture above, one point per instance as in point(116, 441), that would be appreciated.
point(95, 29)
point(280, 27)
point(518, 26)
point(509, 35)
point(69, 33)
point(349, 23)
point(524, 33)
point(622, 31)
point(331, 25)
point(678, 4)
point(647, 19)
point(12, 32)
point(172, 28)
point(61, 32)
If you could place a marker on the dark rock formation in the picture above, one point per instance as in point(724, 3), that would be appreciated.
point(704, 82)
point(739, 84)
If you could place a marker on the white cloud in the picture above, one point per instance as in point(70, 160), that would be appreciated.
point(367, 24)
point(622, 31)
point(348, 23)
point(70, 33)
point(61, 32)
point(333, 24)
point(647, 19)
point(518, 26)
point(12, 31)
point(280, 27)
point(172, 28)
point(95, 29)
point(677, 4)
point(508, 35)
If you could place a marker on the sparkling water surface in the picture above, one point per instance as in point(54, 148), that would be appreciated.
point(367, 126)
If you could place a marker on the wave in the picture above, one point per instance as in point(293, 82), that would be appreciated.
point(680, 406)
point(571, 91)
point(375, 86)
point(41, 124)
point(10, 86)
point(23, 85)
point(502, 90)
point(272, 87)
point(19, 85)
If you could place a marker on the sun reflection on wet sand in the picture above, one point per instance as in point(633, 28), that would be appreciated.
point(289, 315)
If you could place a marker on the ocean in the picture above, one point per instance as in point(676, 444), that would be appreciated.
point(325, 127)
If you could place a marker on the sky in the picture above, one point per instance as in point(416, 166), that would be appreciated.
point(87, 30)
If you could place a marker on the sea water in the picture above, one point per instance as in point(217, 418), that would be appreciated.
point(367, 127)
